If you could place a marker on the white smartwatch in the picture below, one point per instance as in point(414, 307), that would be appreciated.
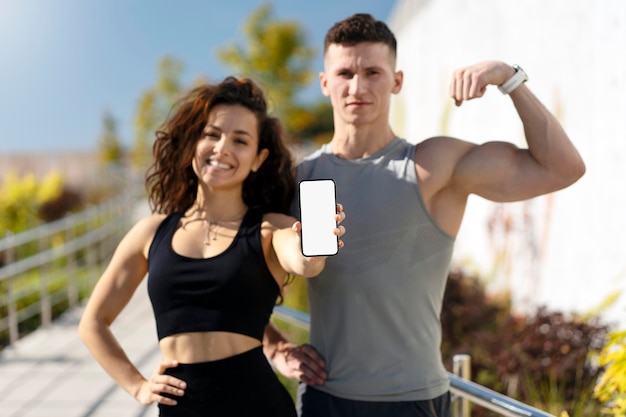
point(515, 81)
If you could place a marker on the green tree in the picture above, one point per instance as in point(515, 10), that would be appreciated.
point(110, 150)
point(154, 105)
point(275, 55)
point(318, 125)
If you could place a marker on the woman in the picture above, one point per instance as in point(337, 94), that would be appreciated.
point(217, 252)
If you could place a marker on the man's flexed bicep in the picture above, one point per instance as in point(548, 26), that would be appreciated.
point(501, 171)
point(548, 143)
point(450, 169)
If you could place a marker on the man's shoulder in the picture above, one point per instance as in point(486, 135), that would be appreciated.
point(311, 158)
point(313, 153)
point(437, 141)
point(436, 145)
point(440, 154)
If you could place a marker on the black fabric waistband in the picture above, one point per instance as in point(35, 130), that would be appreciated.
point(234, 369)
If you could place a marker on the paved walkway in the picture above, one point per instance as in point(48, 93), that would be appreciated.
point(50, 373)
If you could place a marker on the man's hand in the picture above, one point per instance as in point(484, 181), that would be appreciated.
point(302, 363)
point(471, 82)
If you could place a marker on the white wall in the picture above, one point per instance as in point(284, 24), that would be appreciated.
point(566, 250)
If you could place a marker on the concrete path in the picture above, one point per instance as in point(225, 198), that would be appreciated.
point(50, 373)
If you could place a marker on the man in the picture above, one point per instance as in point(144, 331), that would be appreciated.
point(375, 308)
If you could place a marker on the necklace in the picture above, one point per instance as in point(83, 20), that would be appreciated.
point(211, 226)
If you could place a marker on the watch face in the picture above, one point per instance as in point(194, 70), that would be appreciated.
point(515, 81)
point(517, 68)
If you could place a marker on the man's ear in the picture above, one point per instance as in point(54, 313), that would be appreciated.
point(398, 78)
point(260, 158)
point(323, 84)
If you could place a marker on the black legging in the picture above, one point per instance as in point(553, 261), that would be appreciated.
point(242, 385)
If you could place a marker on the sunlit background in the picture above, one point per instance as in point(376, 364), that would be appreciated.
point(78, 78)
point(63, 63)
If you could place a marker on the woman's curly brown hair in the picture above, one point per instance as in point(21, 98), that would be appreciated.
point(171, 181)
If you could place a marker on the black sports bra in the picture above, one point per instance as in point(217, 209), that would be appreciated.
point(233, 291)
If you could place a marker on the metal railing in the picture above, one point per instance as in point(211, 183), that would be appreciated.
point(464, 392)
point(97, 231)
point(50, 264)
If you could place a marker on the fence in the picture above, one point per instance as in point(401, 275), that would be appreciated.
point(45, 269)
point(463, 390)
point(84, 241)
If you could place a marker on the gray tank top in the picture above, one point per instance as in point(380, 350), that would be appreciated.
point(375, 308)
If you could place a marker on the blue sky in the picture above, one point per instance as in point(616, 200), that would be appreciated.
point(64, 62)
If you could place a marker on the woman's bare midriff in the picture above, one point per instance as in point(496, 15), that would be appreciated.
point(205, 346)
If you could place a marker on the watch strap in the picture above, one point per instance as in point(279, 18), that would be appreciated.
point(515, 81)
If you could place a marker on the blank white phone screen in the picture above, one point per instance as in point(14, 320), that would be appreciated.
point(317, 215)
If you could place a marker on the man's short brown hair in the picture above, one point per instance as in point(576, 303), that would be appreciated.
point(360, 27)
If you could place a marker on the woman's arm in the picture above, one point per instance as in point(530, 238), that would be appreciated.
point(286, 246)
point(114, 289)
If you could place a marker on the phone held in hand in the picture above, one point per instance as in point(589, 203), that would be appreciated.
point(318, 207)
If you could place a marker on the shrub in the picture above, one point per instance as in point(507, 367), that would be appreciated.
point(541, 359)
point(21, 198)
point(56, 208)
point(611, 388)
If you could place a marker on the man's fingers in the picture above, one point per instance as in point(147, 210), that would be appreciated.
point(310, 365)
point(309, 355)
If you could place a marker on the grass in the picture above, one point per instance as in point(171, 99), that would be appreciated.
point(27, 289)
point(295, 335)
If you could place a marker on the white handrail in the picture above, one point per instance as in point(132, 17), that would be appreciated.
point(459, 387)
point(93, 232)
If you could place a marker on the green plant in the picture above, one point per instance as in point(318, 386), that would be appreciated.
point(541, 359)
point(295, 335)
point(295, 296)
point(28, 289)
point(21, 198)
point(611, 387)
point(295, 293)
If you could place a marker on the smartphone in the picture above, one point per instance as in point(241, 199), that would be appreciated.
point(318, 207)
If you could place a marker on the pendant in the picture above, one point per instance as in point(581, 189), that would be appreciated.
point(211, 232)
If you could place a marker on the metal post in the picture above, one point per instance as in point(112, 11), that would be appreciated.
point(461, 367)
point(14, 333)
point(44, 290)
point(70, 267)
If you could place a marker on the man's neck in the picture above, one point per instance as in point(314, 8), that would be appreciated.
point(352, 142)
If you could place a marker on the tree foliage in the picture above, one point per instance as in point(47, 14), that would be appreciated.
point(110, 150)
point(154, 105)
point(275, 55)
